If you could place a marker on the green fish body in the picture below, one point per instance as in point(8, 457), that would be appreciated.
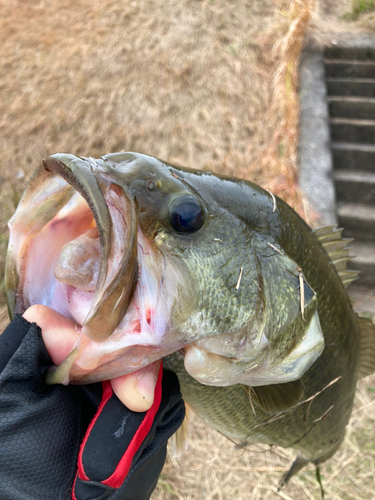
point(215, 275)
point(315, 428)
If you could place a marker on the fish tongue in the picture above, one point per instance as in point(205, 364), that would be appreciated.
point(79, 263)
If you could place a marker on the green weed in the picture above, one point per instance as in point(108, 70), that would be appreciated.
point(360, 7)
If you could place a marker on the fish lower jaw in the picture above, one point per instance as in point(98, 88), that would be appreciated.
point(214, 369)
point(298, 361)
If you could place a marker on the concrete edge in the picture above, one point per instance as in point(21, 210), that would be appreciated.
point(352, 41)
point(314, 145)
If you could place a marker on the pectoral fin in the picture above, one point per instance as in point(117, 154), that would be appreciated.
point(180, 439)
point(278, 397)
point(299, 463)
point(367, 356)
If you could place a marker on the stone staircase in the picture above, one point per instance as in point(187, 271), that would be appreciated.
point(350, 79)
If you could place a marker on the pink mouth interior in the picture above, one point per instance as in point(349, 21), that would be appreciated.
point(64, 237)
point(59, 267)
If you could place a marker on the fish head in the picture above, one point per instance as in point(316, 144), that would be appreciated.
point(148, 259)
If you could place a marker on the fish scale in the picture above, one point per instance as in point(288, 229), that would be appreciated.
point(216, 300)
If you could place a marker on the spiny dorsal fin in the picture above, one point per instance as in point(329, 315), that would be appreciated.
point(277, 397)
point(323, 231)
point(179, 441)
point(340, 262)
point(336, 246)
point(348, 276)
point(367, 353)
point(338, 251)
point(328, 233)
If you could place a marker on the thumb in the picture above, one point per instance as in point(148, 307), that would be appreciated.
point(135, 390)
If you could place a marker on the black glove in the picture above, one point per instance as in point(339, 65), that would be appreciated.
point(42, 427)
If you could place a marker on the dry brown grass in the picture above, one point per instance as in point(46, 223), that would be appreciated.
point(210, 84)
point(279, 157)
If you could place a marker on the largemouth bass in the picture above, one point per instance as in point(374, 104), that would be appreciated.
point(215, 275)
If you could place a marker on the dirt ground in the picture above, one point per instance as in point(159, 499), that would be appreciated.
point(211, 84)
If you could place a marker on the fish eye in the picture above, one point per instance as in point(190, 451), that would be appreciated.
point(186, 214)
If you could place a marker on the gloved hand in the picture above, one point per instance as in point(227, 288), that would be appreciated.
point(42, 428)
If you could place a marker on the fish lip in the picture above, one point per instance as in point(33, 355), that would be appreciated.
point(110, 300)
point(78, 376)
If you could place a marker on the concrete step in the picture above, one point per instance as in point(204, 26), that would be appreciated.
point(357, 220)
point(352, 107)
point(363, 261)
point(362, 297)
point(338, 68)
point(351, 53)
point(350, 73)
point(350, 130)
point(355, 186)
point(352, 156)
point(364, 87)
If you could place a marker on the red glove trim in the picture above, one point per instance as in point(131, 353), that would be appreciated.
point(123, 467)
point(118, 477)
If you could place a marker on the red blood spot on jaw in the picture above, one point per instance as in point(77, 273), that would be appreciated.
point(116, 189)
point(137, 324)
point(148, 316)
point(137, 327)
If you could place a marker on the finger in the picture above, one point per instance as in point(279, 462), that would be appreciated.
point(136, 390)
point(59, 333)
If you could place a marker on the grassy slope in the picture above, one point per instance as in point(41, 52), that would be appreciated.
point(209, 85)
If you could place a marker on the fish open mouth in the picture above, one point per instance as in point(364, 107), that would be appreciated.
point(82, 262)
point(100, 265)
point(74, 247)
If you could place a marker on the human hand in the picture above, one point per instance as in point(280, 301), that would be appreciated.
point(45, 429)
point(135, 390)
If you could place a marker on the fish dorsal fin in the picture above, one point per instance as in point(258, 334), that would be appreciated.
point(328, 233)
point(338, 251)
point(180, 439)
point(348, 276)
point(276, 397)
point(367, 343)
